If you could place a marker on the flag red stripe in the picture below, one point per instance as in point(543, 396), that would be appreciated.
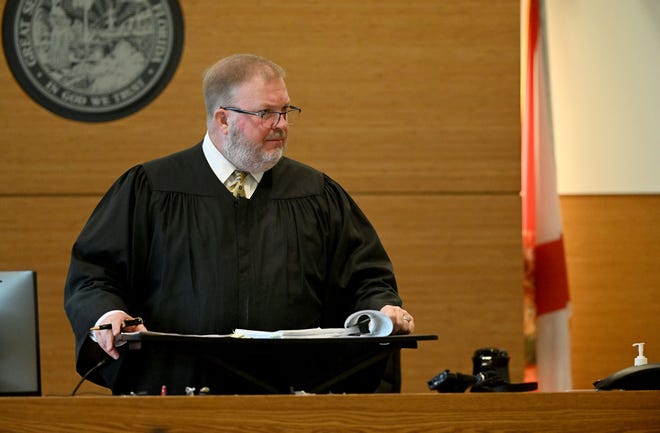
point(546, 290)
point(551, 279)
point(529, 166)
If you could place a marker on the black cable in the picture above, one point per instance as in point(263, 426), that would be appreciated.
point(90, 371)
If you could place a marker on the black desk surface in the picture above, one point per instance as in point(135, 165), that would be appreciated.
point(230, 365)
point(403, 341)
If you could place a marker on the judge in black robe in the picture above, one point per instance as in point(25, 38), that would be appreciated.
point(169, 243)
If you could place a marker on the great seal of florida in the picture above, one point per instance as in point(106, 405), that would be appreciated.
point(93, 60)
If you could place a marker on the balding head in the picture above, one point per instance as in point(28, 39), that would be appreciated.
point(221, 79)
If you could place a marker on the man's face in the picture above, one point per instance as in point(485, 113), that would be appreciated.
point(249, 144)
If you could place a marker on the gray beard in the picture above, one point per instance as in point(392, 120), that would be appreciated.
point(247, 155)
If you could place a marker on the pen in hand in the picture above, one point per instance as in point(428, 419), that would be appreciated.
point(124, 324)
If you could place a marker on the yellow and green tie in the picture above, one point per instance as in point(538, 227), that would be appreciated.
point(237, 185)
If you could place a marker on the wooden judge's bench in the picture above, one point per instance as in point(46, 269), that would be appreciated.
point(580, 411)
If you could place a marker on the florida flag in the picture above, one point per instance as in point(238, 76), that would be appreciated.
point(547, 304)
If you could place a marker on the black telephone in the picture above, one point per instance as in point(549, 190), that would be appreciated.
point(641, 376)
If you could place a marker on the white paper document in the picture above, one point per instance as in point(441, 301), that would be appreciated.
point(364, 323)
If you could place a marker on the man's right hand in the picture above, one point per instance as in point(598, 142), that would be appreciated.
point(106, 337)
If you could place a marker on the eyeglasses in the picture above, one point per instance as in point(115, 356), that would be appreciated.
point(270, 119)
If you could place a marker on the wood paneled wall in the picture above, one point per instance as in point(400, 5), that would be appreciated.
point(613, 252)
point(412, 106)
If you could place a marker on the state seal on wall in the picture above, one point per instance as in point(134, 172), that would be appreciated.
point(93, 60)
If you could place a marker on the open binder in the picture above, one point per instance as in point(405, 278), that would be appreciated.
point(365, 323)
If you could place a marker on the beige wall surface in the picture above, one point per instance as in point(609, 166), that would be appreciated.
point(603, 64)
point(412, 106)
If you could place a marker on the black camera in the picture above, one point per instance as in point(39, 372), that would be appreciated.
point(490, 373)
point(489, 360)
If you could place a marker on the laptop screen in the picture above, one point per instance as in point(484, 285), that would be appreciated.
point(19, 334)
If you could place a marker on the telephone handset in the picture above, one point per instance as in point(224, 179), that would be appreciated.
point(641, 376)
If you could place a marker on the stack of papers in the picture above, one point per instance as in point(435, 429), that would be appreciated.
point(364, 323)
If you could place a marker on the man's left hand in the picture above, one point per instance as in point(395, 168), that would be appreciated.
point(402, 320)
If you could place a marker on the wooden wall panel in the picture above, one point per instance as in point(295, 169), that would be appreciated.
point(37, 233)
point(388, 89)
point(458, 266)
point(613, 251)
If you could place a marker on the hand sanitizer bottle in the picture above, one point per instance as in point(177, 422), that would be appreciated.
point(640, 359)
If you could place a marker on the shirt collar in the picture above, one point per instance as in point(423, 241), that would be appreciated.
point(219, 164)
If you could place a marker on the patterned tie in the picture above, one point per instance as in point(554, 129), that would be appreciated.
point(236, 186)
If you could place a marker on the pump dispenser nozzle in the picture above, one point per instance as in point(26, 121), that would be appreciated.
point(640, 359)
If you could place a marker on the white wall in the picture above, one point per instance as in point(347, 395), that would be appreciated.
point(604, 65)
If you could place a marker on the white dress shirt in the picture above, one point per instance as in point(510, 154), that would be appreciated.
point(223, 169)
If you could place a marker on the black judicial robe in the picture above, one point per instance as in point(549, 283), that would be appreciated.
point(170, 244)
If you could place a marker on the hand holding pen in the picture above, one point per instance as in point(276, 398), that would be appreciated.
point(110, 326)
point(124, 324)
